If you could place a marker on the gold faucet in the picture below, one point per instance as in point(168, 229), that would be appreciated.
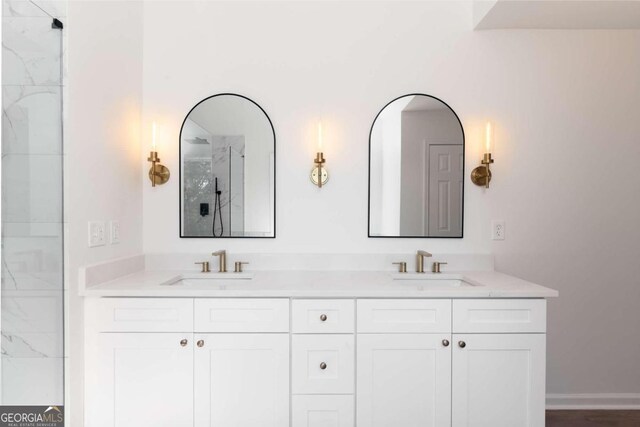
point(223, 260)
point(420, 260)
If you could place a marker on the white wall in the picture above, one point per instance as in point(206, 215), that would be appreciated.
point(102, 143)
point(302, 61)
point(565, 104)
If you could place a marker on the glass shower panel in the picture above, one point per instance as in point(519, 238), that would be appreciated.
point(31, 292)
point(236, 189)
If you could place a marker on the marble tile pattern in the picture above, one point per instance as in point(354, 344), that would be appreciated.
point(30, 9)
point(226, 164)
point(31, 303)
point(30, 52)
point(31, 120)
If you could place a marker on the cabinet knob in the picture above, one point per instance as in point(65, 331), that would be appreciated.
point(184, 342)
point(323, 317)
point(200, 343)
point(445, 343)
point(462, 344)
point(323, 366)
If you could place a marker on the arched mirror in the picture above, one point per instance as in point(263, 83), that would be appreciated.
point(416, 169)
point(227, 169)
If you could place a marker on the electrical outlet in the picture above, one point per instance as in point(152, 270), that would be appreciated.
point(97, 234)
point(114, 232)
point(497, 230)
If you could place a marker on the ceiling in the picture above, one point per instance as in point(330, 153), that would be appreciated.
point(557, 14)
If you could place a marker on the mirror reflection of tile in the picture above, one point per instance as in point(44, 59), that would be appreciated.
point(222, 169)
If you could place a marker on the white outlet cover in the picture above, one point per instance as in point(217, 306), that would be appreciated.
point(497, 230)
point(97, 234)
point(114, 232)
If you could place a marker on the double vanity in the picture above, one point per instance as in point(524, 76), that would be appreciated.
point(314, 349)
point(317, 343)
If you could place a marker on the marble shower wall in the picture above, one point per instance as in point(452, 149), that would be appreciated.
point(224, 161)
point(31, 303)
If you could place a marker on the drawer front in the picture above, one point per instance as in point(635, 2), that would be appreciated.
point(140, 314)
point(241, 315)
point(322, 364)
point(404, 316)
point(323, 316)
point(500, 316)
point(322, 411)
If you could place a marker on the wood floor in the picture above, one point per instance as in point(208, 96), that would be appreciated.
point(593, 419)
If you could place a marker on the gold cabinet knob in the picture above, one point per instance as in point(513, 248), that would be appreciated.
point(200, 343)
point(323, 317)
point(445, 343)
point(462, 344)
point(323, 366)
point(184, 342)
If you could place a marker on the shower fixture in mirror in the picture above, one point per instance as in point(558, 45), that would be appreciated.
point(416, 170)
point(227, 169)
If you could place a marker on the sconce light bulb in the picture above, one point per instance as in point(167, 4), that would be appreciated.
point(153, 136)
point(320, 136)
point(488, 137)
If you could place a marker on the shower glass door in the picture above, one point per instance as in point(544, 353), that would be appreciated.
point(31, 293)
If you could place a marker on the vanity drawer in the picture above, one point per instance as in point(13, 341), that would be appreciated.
point(500, 316)
point(241, 315)
point(322, 364)
point(404, 316)
point(140, 314)
point(323, 316)
point(322, 411)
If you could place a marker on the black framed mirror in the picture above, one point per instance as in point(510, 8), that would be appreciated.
point(227, 170)
point(416, 170)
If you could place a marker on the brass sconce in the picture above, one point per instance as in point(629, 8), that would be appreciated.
point(158, 174)
point(319, 174)
point(481, 175)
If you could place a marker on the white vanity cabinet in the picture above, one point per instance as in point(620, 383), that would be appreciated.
point(311, 362)
point(475, 363)
point(229, 367)
point(404, 363)
point(241, 380)
point(499, 363)
point(323, 362)
point(498, 380)
point(403, 380)
point(139, 379)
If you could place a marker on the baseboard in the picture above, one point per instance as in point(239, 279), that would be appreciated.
point(587, 401)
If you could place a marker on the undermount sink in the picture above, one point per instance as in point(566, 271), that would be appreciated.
point(218, 276)
point(431, 279)
point(203, 278)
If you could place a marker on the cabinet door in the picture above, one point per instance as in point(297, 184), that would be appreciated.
point(135, 380)
point(242, 380)
point(498, 380)
point(403, 380)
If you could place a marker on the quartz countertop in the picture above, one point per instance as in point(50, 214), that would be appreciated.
point(320, 284)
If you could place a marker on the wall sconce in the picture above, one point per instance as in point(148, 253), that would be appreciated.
point(158, 174)
point(319, 174)
point(482, 174)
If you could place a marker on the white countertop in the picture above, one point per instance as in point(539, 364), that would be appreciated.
point(319, 284)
